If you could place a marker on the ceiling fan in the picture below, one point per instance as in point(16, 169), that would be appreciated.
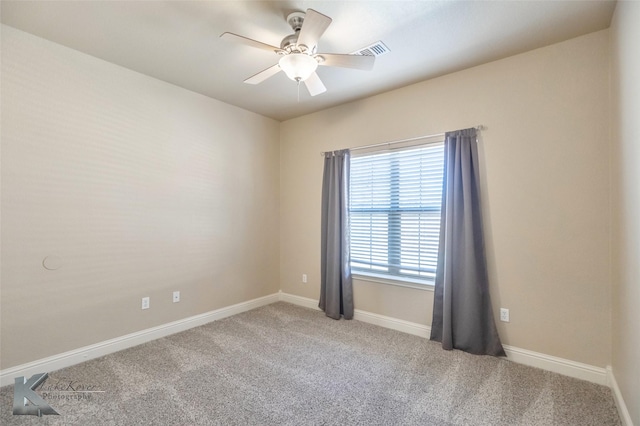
point(298, 51)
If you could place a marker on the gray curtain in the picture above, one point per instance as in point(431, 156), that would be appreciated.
point(336, 291)
point(462, 312)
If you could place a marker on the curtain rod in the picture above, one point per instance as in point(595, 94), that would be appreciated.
point(478, 127)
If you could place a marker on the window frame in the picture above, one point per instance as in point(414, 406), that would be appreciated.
point(392, 277)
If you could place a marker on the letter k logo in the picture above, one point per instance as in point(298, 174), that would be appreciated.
point(24, 391)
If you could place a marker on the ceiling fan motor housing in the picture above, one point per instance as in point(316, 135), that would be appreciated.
point(289, 44)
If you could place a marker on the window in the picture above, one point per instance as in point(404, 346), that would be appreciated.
point(394, 211)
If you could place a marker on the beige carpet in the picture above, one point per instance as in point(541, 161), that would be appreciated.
point(286, 365)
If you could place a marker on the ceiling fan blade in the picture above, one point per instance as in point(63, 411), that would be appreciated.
point(313, 26)
point(263, 75)
point(359, 62)
point(314, 85)
point(249, 42)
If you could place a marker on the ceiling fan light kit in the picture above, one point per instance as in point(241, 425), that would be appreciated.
point(299, 60)
point(298, 66)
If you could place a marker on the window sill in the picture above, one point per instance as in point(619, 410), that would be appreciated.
point(400, 282)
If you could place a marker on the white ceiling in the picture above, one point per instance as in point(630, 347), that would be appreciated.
point(178, 41)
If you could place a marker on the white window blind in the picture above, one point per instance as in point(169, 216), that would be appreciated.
point(394, 211)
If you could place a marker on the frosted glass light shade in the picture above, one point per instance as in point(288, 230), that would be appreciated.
point(298, 66)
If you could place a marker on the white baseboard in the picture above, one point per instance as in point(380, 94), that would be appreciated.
point(364, 316)
point(558, 365)
point(298, 300)
point(521, 356)
point(625, 417)
point(97, 350)
point(393, 323)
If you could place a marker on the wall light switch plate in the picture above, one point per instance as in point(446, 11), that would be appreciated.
point(146, 303)
point(176, 296)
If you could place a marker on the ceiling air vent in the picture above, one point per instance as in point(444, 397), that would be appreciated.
point(376, 49)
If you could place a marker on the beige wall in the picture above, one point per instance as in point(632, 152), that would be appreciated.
point(545, 185)
point(625, 85)
point(138, 187)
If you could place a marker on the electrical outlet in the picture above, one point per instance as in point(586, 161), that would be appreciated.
point(146, 303)
point(304, 278)
point(176, 296)
point(504, 315)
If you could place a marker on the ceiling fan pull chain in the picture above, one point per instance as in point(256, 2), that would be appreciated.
point(298, 80)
